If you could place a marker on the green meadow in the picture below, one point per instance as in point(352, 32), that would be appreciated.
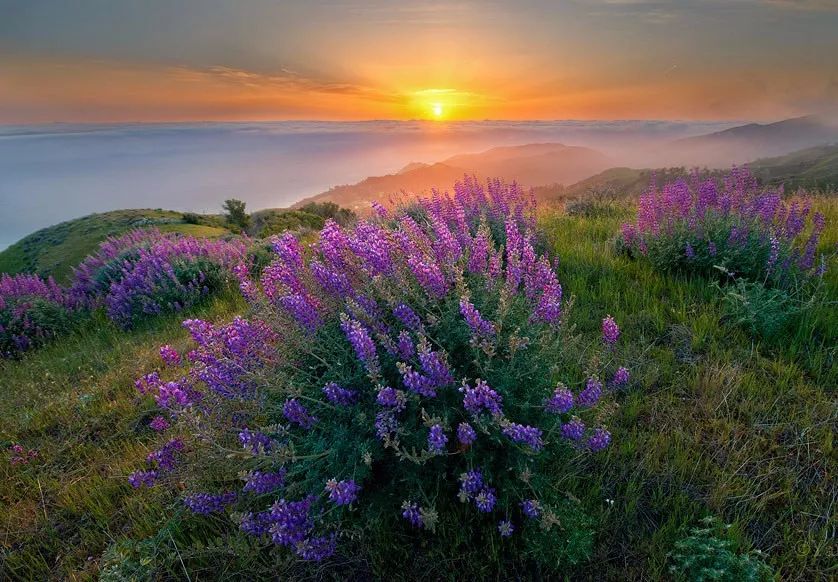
point(714, 423)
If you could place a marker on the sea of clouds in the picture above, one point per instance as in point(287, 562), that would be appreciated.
point(52, 173)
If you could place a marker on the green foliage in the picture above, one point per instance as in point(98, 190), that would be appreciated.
point(234, 212)
point(715, 255)
point(706, 554)
point(597, 203)
point(191, 218)
point(711, 419)
point(195, 219)
point(112, 271)
point(763, 311)
point(523, 361)
point(812, 168)
point(280, 222)
point(326, 210)
point(74, 402)
point(259, 256)
point(312, 216)
point(129, 561)
point(193, 281)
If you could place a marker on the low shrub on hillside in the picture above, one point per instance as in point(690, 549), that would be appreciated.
point(327, 210)
point(699, 225)
point(761, 246)
point(191, 218)
point(763, 311)
point(32, 311)
point(403, 396)
point(311, 216)
point(597, 203)
point(276, 222)
point(146, 273)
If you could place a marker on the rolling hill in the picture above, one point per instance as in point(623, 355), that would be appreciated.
point(810, 168)
point(530, 165)
point(56, 249)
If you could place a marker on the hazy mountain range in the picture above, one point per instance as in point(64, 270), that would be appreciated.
point(749, 142)
point(551, 166)
point(529, 165)
point(50, 174)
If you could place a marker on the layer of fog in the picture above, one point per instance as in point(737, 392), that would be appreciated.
point(49, 174)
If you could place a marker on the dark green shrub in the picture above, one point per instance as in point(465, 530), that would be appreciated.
point(707, 554)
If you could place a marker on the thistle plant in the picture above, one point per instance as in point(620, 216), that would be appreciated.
point(408, 379)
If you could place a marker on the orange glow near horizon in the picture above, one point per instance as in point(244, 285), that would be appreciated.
point(100, 91)
point(437, 104)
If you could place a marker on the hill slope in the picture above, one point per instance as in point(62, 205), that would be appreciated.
point(695, 383)
point(56, 249)
point(813, 168)
point(749, 142)
point(810, 168)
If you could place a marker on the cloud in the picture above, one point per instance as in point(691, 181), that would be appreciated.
point(284, 80)
point(804, 5)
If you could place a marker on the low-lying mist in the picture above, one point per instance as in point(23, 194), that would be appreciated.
point(53, 173)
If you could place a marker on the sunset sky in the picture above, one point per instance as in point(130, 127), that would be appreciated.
point(188, 60)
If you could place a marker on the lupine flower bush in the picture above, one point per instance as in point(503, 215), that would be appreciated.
point(761, 246)
point(750, 231)
point(32, 311)
point(402, 386)
point(145, 273)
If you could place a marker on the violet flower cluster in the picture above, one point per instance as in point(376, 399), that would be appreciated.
point(751, 230)
point(146, 272)
point(24, 301)
point(366, 358)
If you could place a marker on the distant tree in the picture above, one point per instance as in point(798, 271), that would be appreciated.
point(234, 212)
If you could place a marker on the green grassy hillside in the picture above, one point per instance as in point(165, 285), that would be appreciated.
point(715, 423)
point(810, 168)
point(56, 249)
point(613, 183)
point(813, 168)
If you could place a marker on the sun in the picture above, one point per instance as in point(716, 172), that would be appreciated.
point(438, 110)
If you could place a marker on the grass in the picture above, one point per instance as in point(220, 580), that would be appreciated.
point(56, 249)
point(74, 402)
point(713, 423)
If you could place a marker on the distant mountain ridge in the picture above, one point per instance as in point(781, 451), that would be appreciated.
point(552, 167)
point(530, 165)
point(746, 143)
point(812, 168)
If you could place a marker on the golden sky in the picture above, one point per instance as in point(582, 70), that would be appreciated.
point(192, 60)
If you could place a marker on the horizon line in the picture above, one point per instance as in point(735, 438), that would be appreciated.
point(384, 120)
